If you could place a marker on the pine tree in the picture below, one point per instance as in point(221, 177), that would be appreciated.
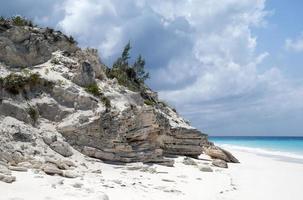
point(138, 67)
point(122, 61)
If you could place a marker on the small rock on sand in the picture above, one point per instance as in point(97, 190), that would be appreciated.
point(219, 163)
point(205, 168)
point(19, 169)
point(7, 178)
point(70, 174)
point(188, 161)
point(168, 180)
point(62, 148)
point(77, 185)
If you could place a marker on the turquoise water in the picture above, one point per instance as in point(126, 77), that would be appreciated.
point(290, 146)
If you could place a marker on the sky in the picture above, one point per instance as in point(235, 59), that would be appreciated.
point(230, 67)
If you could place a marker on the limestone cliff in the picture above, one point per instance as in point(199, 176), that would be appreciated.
point(47, 106)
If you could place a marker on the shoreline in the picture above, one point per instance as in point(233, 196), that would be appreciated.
point(281, 155)
point(266, 177)
point(256, 177)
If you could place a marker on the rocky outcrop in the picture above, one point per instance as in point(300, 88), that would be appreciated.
point(69, 104)
point(24, 46)
point(129, 136)
point(85, 75)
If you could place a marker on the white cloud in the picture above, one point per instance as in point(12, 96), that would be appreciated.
point(202, 54)
point(295, 44)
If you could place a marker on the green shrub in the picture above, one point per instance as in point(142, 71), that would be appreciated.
point(106, 101)
point(34, 79)
point(71, 40)
point(149, 102)
point(15, 83)
point(33, 113)
point(164, 104)
point(130, 76)
point(93, 89)
point(2, 19)
point(21, 21)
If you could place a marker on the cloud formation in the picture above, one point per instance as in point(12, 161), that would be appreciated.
point(295, 44)
point(201, 55)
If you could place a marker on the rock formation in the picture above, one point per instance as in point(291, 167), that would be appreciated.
point(48, 109)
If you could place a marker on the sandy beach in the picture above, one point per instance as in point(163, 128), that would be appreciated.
point(256, 177)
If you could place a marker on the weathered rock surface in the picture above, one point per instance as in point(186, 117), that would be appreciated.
point(62, 148)
point(188, 161)
point(52, 169)
point(7, 178)
point(60, 114)
point(219, 163)
point(205, 168)
point(18, 168)
point(219, 153)
point(23, 46)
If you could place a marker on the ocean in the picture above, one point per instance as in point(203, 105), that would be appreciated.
point(290, 148)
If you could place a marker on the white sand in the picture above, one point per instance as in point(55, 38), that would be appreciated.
point(257, 177)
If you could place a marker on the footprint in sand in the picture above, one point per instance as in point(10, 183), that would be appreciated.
point(15, 198)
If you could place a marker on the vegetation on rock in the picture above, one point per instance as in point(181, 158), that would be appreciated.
point(93, 89)
point(17, 21)
point(33, 113)
point(21, 21)
point(105, 101)
point(130, 76)
point(15, 83)
point(149, 102)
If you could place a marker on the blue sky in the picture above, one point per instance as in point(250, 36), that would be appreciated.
point(231, 67)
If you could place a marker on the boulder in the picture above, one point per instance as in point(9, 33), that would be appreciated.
point(63, 148)
point(25, 165)
point(14, 110)
point(219, 163)
point(188, 161)
point(205, 168)
point(7, 178)
point(4, 170)
point(91, 56)
point(51, 110)
point(18, 168)
point(51, 169)
point(70, 174)
point(219, 153)
point(49, 137)
point(61, 164)
point(85, 75)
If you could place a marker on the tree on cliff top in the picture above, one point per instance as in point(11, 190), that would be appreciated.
point(131, 76)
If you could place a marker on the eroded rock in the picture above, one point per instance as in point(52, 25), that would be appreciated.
point(7, 178)
point(62, 148)
point(219, 153)
point(219, 163)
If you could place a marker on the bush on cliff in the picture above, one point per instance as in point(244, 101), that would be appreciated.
point(130, 76)
point(95, 90)
point(15, 83)
point(21, 21)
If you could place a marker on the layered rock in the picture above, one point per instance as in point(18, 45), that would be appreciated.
point(58, 113)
